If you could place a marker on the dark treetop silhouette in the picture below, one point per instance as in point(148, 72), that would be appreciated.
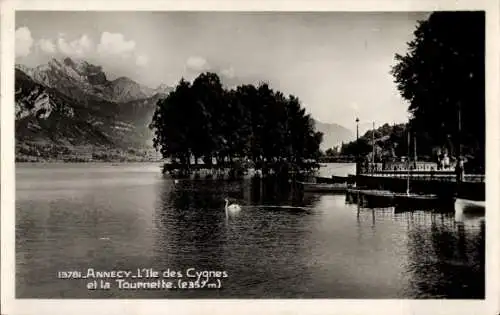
point(256, 124)
point(442, 77)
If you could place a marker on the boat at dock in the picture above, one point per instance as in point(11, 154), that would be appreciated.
point(406, 202)
point(322, 187)
point(400, 201)
point(470, 206)
point(370, 198)
point(331, 180)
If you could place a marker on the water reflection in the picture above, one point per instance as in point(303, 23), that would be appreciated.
point(445, 260)
point(283, 244)
point(445, 253)
point(254, 247)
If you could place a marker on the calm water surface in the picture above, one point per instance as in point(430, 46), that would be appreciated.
point(124, 217)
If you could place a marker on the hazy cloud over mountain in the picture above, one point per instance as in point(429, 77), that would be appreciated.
point(196, 63)
point(76, 48)
point(24, 41)
point(114, 44)
point(141, 60)
point(47, 46)
point(112, 49)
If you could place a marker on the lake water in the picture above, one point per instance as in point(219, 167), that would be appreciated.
point(125, 217)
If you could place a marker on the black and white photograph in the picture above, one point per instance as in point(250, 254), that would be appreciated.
point(237, 155)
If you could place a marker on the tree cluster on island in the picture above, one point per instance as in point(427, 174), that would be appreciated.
point(248, 124)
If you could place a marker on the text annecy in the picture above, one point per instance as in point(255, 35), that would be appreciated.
point(91, 273)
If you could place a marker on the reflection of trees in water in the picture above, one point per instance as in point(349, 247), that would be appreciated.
point(276, 191)
point(446, 259)
point(190, 226)
point(270, 253)
point(261, 248)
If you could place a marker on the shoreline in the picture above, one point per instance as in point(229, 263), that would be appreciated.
point(116, 161)
point(87, 162)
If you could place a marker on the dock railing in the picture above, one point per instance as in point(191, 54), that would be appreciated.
point(427, 173)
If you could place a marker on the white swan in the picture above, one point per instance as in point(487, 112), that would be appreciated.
point(233, 208)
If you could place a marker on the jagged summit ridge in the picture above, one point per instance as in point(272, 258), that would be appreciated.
point(80, 79)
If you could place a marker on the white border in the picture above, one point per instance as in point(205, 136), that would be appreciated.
point(11, 306)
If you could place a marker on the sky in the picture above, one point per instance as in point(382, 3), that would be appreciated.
point(337, 63)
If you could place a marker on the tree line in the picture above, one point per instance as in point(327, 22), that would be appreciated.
point(442, 78)
point(252, 124)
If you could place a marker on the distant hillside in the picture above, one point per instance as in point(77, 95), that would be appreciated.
point(65, 106)
point(333, 134)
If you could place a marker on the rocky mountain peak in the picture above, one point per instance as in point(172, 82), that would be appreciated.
point(69, 62)
point(92, 73)
point(163, 89)
point(83, 81)
point(124, 80)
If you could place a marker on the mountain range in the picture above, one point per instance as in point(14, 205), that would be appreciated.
point(333, 134)
point(69, 107)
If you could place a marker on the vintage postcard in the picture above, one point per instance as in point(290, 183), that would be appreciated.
point(223, 157)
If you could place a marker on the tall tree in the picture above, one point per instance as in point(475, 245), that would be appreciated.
point(442, 75)
point(208, 130)
point(169, 123)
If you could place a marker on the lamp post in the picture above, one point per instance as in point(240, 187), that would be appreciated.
point(459, 171)
point(373, 146)
point(357, 129)
point(357, 146)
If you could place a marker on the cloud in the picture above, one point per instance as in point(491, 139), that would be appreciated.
point(196, 63)
point(228, 72)
point(47, 46)
point(79, 47)
point(24, 41)
point(114, 44)
point(141, 60)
